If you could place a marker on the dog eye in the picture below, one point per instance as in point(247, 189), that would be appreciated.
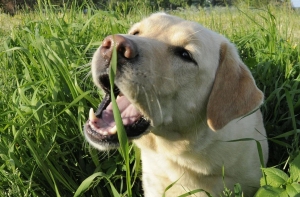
point(185, 55)
point(135, 33)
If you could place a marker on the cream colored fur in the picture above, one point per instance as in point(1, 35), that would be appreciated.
point(195, 109)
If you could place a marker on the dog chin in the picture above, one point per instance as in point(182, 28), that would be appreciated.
point(103, 146)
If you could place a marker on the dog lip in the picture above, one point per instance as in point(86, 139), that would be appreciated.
point(133, 131)
point(97, 137)
point(138, 128)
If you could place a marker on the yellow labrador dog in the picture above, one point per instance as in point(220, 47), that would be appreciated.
point(183, 94)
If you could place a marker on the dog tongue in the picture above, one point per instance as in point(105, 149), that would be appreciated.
point(106, 124)
point(128, 112)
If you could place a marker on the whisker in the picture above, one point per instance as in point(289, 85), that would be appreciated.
point(158, 102)
point(194, 33)
point(148, 102)
point(137, 92)
point(84, 69)
point(157, 75)
point(86, 77)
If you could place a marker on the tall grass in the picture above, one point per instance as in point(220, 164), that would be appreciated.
point(44, 103)
point(46, 91)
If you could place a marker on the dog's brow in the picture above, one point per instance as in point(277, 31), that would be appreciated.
point(180, 39)
point(183, 38)
point(192, 34)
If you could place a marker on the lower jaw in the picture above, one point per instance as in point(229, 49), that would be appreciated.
point(96, 138)
point(105, 142)
point(102, 146)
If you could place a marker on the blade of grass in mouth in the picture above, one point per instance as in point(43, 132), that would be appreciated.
point(117, 117)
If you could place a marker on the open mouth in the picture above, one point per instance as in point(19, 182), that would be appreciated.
point(101, 127)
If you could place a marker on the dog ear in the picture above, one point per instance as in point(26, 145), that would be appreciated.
point(234, 93)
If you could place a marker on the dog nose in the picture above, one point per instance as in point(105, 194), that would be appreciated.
point(124, 46)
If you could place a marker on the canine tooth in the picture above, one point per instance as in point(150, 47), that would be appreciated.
point(92, 115)
point(113, 130)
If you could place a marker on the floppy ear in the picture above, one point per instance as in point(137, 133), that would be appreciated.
point(234, 93)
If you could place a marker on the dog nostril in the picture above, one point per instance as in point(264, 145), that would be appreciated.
point(106, 48)
point(125, 47)
point(129, 54)
point(106, 43)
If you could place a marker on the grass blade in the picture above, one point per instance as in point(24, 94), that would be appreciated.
point(122, 136)
point(89, 180)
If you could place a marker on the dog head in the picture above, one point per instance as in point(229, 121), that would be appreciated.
point(172, 76)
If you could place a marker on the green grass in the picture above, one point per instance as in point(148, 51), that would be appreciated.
point(46, 91)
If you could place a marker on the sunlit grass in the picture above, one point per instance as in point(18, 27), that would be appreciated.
point(46, 91)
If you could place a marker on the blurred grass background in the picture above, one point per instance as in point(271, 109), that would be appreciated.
point(46, 91)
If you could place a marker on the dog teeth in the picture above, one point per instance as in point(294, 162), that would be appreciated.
point(113, 130)
point(93, 119)
point(92, 115)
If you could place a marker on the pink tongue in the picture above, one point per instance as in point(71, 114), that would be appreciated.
point(128, 112)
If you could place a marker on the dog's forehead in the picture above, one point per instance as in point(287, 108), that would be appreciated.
point(169, 29)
